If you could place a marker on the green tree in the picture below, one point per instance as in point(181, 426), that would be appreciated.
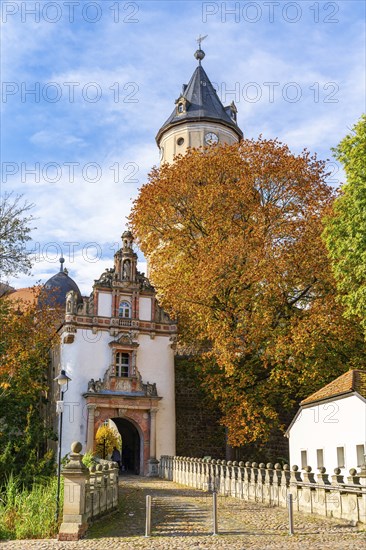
point(14, 234)
point(345, 233)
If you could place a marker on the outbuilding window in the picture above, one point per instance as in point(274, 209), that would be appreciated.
point(360, 452)
point(304, 459)
point(320, 458)
point(340, 457)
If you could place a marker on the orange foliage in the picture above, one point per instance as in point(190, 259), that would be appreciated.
point(233, 239)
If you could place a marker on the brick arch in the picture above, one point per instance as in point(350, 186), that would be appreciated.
point(139, 419)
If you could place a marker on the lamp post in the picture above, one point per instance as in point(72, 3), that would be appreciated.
point(62, 380)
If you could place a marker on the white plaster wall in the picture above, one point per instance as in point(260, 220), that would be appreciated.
point(338, 423)
point(87, 357)
point(145, 309)
point(155, 361)
point(105, 304)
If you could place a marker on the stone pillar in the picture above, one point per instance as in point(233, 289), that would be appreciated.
point(152, 462)
point(362, 499)
point(76, 477)
point(90, 435)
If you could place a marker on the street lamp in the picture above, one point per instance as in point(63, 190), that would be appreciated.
point(62, 380)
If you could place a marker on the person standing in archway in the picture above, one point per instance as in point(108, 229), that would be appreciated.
point(126, 458)
point(116, 457)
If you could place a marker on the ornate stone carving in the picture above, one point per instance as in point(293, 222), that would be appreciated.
point(106, 278)
point(95, 386)
point(71, 302)
point(150, 389)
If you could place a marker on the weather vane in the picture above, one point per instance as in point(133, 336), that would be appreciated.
point(200, 39)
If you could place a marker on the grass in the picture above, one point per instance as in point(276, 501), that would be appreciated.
point(28, 514)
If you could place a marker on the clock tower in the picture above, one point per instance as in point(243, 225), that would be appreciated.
point(198, 119)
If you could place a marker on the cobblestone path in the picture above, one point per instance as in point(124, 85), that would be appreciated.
point(181, 519)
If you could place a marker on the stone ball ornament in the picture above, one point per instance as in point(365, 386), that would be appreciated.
point(76, 447)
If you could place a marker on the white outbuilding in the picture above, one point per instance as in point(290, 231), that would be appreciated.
point(329, 430)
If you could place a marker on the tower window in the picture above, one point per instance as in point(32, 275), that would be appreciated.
point(180, 141)
point(124, 310)
point(122, 364)
point(180, 108)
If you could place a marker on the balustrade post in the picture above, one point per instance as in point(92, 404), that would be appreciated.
point(241, 476)
point(276, 484)
point(260, 481)
point(92, 471)
point(295, 489)
point(76, 476)
point(268, 484)
point(307, 493)
point(229, 474)
point(285, 484)
point(222, 468)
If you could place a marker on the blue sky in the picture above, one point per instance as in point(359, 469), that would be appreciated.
point(105, 76)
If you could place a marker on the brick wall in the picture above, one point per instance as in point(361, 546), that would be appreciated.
point(199, 433)
point(198, 430)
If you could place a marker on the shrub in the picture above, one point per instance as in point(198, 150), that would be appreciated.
point(28, 513)
point(88, 459)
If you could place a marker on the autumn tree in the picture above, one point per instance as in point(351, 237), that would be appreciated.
point(106, 439)
point(14, 234)
point(232, 235)
point(345, 232)
point(29, 331)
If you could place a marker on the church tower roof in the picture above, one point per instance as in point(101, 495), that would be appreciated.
point(200, 102)
point(59, 285)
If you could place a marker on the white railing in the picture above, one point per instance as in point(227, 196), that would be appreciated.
point(270, 485)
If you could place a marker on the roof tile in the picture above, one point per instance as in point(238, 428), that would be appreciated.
point(351, 381)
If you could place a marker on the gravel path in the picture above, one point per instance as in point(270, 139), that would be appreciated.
point(182, 519)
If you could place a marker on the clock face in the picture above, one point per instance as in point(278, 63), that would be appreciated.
point(211, 138)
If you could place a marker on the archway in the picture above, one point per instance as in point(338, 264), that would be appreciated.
point(131, 445)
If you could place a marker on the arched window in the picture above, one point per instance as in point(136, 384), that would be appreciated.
point(124, 310)
point(122, 364)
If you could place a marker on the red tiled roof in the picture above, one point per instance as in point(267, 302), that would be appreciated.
point(23, 297)
point(351, 381)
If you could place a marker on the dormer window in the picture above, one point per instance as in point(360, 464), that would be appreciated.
point(181, 105)
point(124, 310)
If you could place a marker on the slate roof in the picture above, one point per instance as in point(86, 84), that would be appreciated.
point(351, 381)
point(204, 104)
point(59, 285)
